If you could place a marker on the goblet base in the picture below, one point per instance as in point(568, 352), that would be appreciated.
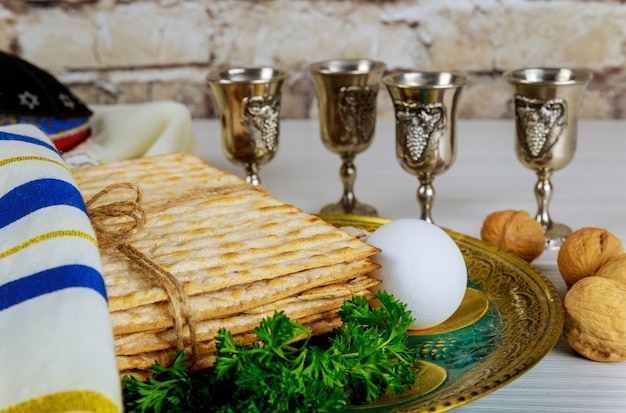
point(357, 209)
point(253, 180)
point(555, 236)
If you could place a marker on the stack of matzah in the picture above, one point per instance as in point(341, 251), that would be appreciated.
point(239, 253)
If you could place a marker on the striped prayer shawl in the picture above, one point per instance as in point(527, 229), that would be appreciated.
point(56, 342)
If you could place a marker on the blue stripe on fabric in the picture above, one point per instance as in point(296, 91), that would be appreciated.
point(49, 281)
point(37, 194)
point(5, 136)
point(49, 125)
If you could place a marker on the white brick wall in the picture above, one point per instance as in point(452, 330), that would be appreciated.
point(112, 51)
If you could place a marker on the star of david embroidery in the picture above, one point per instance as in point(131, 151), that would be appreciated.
point(28, 99)
point(66, 101)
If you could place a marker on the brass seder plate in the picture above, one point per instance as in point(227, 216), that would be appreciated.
point(522, 323)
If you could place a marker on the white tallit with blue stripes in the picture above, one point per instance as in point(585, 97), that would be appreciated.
point(56, 342)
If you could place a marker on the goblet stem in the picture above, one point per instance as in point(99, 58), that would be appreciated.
point(426, 197)
point(252, 174)
point(347, 173)
point(555, 233)
point(348, 203)
point(543, 194)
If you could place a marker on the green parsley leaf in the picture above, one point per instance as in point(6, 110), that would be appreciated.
point(285, 372)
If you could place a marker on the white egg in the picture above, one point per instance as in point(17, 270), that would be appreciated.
point(421, 266)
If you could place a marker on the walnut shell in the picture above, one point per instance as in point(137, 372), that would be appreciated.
point(516, 232)
point(614, 269)
point(584, 251)
point(595, 318)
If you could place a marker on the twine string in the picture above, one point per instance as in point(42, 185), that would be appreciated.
point(128, 217)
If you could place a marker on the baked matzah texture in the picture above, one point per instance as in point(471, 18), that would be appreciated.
point(239, 253)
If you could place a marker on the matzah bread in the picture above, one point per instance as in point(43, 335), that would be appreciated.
point(162, 176)
point(239, 254)
point(307, 305)
point(210, 240)
point(237, 299)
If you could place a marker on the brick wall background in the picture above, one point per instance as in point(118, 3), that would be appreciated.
point(120, 51)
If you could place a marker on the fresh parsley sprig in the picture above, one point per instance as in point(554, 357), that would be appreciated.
point(285, 372)
point(373, 344)
point(169, 389)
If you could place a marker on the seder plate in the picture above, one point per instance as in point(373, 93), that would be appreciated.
point(522, 321)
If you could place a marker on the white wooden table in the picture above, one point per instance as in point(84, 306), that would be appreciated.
point(486, 177)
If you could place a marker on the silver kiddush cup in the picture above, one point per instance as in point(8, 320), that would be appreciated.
point(248, 102)
point(425, 105)
point(347, 91)
point(546, 127)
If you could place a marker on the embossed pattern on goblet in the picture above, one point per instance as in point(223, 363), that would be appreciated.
point(260, 114)
point(357, 113)
point(248, 100)
point(420, 128)
point(539, 124)
point(546, 104)
point(425, 111)
point(347, 92)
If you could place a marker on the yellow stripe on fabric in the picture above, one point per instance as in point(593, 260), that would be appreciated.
point(70, 401)
point(33, 158)
point(47, 236)
point(69, 132)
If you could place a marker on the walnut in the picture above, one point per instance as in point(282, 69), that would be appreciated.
point(516, 232)
point(614, 269)
point(584, 251)
point(595, 315)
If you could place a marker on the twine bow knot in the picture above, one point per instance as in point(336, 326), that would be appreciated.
point(114, 223)
point(127, 214)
